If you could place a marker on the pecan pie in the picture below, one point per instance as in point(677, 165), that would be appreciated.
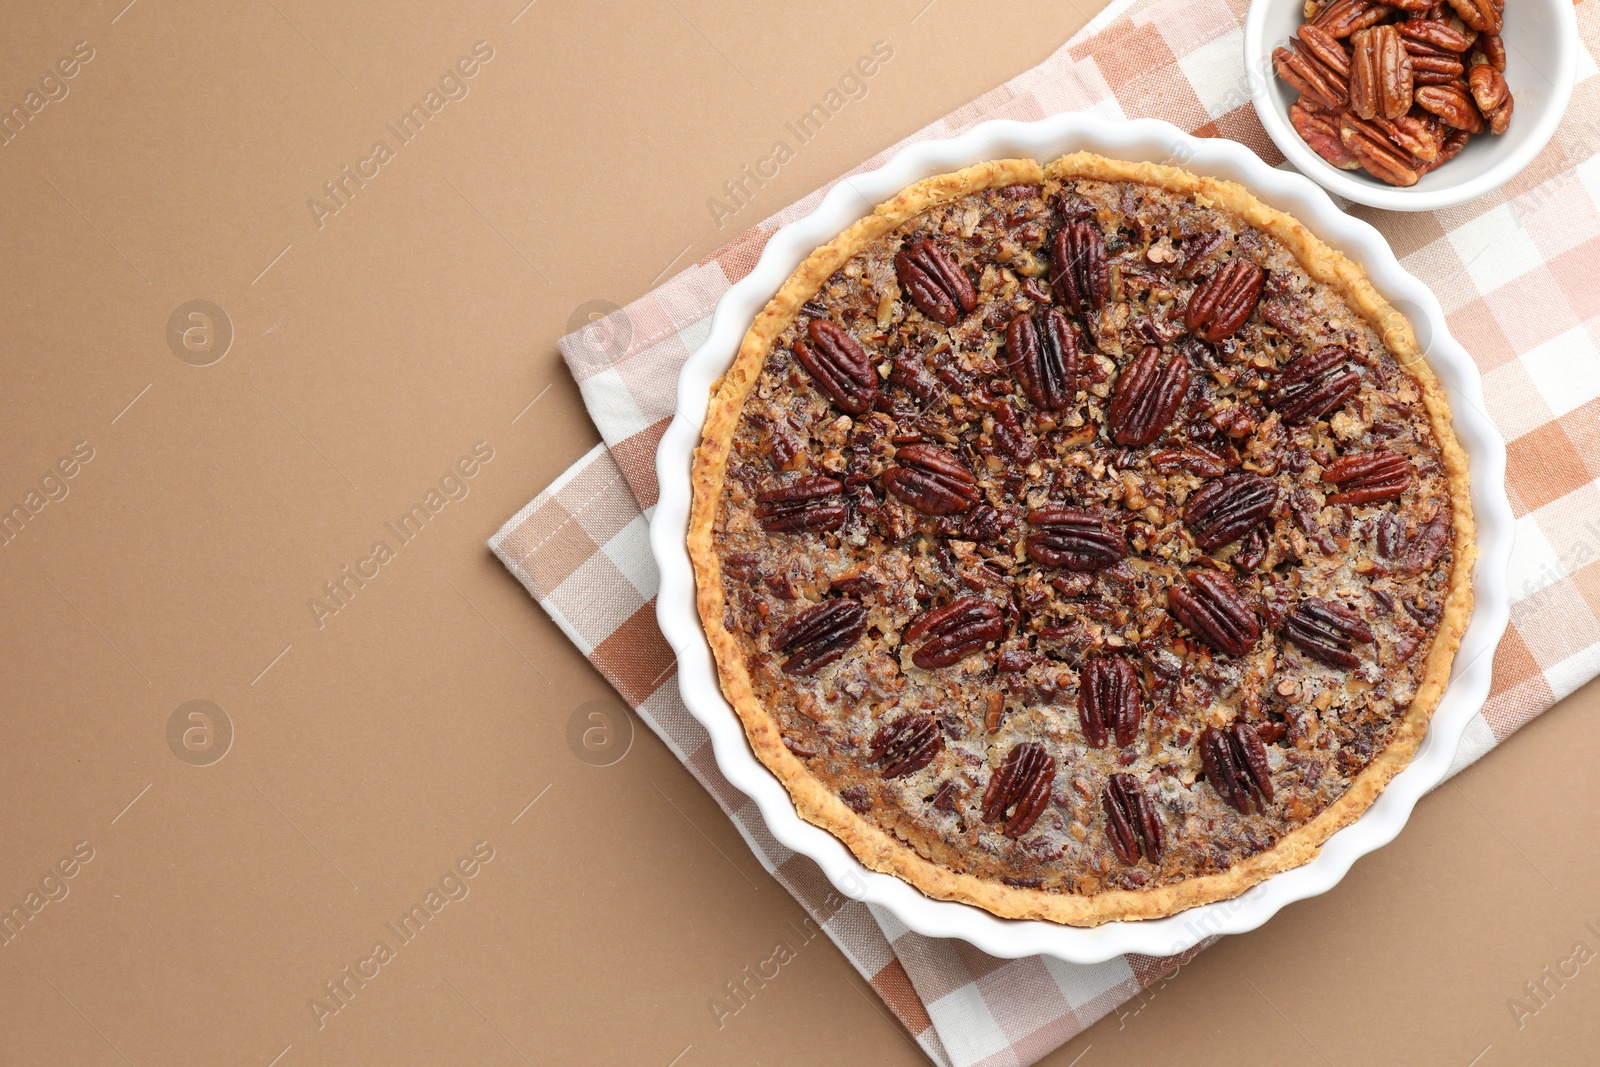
point(1083, 542)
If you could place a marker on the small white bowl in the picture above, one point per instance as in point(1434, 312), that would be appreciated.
point(1044, 140)
point(1542, 45)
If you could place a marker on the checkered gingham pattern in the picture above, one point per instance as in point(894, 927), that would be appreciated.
point(1518, 273)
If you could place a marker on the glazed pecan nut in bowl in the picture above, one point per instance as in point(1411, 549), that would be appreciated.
point(1411, 106)
point(1091, 641)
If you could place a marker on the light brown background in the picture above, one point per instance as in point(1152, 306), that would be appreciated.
point(371, 753)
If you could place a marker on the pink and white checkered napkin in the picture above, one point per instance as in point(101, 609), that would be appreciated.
point(1515, 272)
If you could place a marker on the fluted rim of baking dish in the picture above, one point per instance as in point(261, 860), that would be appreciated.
point(1044, 140)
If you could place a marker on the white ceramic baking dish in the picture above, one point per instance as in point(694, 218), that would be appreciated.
point(1144, 139)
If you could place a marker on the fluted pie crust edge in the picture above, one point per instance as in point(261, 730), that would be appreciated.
point(815, 802)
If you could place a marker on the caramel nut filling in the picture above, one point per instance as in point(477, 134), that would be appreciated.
point(1076, 537)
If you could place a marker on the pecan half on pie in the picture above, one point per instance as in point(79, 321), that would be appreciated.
point(1083, 542)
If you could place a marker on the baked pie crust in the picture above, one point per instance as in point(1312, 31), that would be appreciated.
point(1084, 542)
